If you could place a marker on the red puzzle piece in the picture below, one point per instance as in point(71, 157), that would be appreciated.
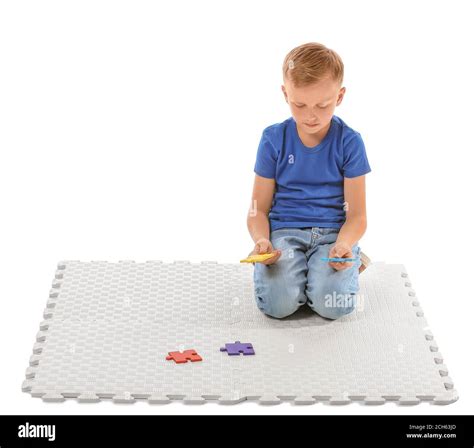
point(181, 357)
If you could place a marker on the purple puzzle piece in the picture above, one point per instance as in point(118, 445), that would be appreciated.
point(237, 348)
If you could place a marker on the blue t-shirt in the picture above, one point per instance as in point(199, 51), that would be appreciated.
point(309, 190)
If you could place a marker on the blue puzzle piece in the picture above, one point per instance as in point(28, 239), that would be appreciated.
point(237, 348)
point(342, 260)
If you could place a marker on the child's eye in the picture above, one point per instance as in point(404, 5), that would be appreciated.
point(302, 105)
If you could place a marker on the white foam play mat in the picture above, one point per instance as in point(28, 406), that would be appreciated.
point(165, 331)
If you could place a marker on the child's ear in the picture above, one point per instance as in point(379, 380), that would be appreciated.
point(341, 95)
point(284, 92)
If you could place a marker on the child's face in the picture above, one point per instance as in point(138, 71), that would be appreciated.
point(313, 104)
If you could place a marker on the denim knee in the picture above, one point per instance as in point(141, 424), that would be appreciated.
point(329, 300)
point(277, 301)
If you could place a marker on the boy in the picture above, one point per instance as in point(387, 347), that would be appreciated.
point(308, 198)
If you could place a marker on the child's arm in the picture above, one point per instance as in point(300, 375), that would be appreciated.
point(262, 198)
point(356, 216)
point(257, 218)
point(356, 220)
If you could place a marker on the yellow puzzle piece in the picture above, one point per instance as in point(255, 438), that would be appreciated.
point(257, 258)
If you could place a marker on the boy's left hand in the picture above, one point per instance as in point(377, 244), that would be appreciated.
point(340, 250)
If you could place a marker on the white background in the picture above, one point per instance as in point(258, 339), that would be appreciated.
point(129, 130)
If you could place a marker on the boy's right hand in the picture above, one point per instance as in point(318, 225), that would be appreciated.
point(264, 246)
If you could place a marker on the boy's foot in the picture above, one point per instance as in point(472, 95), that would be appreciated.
point(365, 260)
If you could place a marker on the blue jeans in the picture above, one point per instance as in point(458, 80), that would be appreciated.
point(300, 276)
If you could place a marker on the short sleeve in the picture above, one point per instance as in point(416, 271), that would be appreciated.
point(355, 158)
point(265, 164)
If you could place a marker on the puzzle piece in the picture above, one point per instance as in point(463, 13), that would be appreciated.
point(338, 259)
point(257, 258)
point(237, 348)
point(182, 357)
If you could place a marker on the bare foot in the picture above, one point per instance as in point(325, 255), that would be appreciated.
point(365, 262)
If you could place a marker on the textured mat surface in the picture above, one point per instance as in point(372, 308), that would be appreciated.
point(108, 328)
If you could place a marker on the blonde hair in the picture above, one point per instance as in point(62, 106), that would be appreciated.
point(312, 62)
